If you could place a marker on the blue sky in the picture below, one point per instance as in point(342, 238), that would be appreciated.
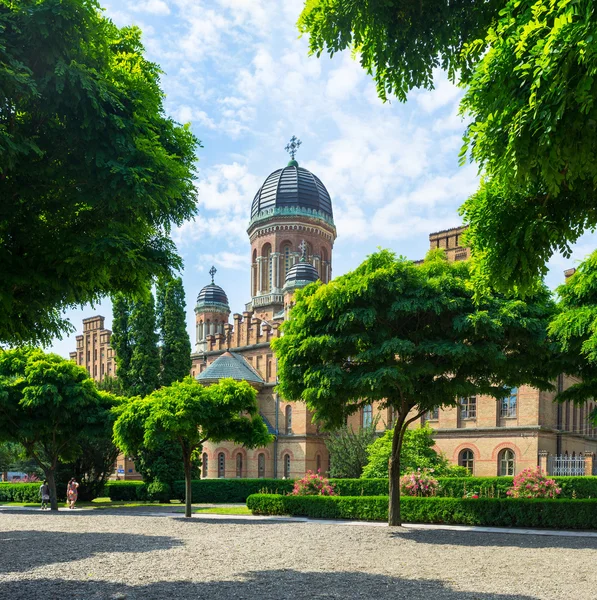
point(238, 72)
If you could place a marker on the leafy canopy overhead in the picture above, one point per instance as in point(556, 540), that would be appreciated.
point(534, 134)
point(400, 42)
point(528, 67)
point(410, 337)
point(92, 173)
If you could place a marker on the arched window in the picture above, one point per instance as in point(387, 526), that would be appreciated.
point(261, 466)
point(508, 408)
point(367, 415)
point(286, 257)
point(204, 465)
point(266, 253)
point(506, 460)
point(288, 420)
point(287, 466)
point(221, 465)
point(466, 459)
point(239, 465)
point(318, 463)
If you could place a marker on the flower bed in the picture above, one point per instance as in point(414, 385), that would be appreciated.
point(489, 512)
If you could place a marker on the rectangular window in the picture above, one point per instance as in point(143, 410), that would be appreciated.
point(432, 415)
point(88, 355)
point(367, 415)
point(508, 404)
point(468, 407)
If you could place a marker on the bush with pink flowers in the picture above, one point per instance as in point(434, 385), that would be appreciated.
point(313, 484)
point(533, 483)
point(419, 483)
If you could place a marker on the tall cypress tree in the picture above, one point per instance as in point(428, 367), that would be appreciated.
point(176, 345)
point(121, 339)
point(145, 358)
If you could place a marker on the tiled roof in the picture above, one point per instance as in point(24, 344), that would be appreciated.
point(230, 365)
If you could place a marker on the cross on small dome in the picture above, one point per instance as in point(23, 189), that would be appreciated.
point(293, 146)
point(212, 272)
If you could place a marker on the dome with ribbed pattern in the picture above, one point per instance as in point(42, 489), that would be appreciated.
point(292, 187)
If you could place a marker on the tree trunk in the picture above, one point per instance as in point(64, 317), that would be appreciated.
point(52, 484)
point(4, 475)
point(394, 519)
point(188, 487)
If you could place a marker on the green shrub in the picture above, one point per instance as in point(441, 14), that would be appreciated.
point(20, 492)
point(126, 490)
point(158, 491)
point(221, 491)
point(489, 512)
point(455, 471)
point(360, 487)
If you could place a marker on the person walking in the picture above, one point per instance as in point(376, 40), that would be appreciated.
point(44, 492)
point(72, 492)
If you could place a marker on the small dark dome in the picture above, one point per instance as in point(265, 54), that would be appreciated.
point(212, 294)
point(293, 187)
point(301, 274)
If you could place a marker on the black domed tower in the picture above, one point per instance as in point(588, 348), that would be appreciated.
point(292, 206)
point(211, 312)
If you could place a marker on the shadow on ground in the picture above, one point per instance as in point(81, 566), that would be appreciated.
point(260, 585)
point(22, 551)
point(476, 539)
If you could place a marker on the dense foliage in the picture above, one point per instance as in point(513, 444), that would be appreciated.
point(488, 512)
point(528, 68)
point(348, 449)
point(416, 452)
point(175, 348)
point(411, 338)
point(400, 43)
point(93, 174)
point(190, 414)
point(144, 367)
point(51, 407)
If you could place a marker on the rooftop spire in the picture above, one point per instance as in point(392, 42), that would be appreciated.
point(212, 272)
point(291, 148)
point(303, 249)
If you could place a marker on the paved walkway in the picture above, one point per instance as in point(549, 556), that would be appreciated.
point(166, 512)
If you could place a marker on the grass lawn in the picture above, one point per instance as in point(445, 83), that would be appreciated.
point(225, 510)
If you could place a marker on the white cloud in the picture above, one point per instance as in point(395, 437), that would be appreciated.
point(226, 260)
point(445, 92)
point(153, 7)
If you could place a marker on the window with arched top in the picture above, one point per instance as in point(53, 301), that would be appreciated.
point(318, 463)
point(239, 465)
point(221, 465)
point(267, 268)
point(367, 415)
point(261, 466)
point(506, 462)
point(204, 465)
point(286, 251)
point(287, 466)
point(288, 420)
point(466, 459)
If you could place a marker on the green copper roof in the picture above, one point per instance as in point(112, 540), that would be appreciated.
point(229, 365)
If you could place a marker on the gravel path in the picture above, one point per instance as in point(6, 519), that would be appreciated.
point(108, 555)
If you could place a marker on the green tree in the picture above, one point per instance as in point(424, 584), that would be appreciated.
point(190, 414)
point(417, 453)
point(534, 134)
point(575, 330)
point(93, 174)
point(144, 370)
point(398, 42)
point(175, 351)
point(529, 70)
point(348, 449)
point(411, 338)
point(10, 454)
point(121, 339)
point(50, 406)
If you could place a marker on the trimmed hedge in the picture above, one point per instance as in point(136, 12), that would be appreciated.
point(20, 492)
point(488, 512)
point(126, 490)
point(220, 491)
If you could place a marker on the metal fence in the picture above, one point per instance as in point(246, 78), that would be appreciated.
point(566, 465)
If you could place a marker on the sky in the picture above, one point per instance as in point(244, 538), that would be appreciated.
point(238, 71)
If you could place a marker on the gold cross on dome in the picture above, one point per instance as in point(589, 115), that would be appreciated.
point(293, 146)
point(212, 272)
